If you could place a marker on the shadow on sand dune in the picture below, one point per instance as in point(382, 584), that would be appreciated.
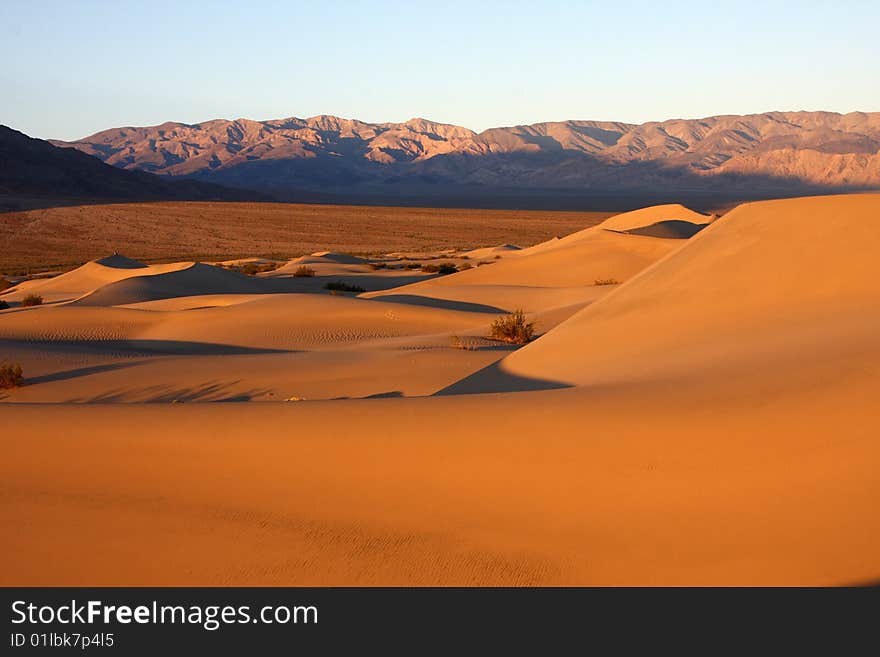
point(443, 304)
point(163, 394)
point(493, 379)
point(675, 229)
point(152, 347)
point(78, 372)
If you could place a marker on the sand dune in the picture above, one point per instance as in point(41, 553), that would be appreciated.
point(770, 287)
point(86, 279)
point(185, 280)
point(652, 215)
point(560, 271)
point(325, 263)
point(277, 321)
point(709, 421)
point(490, 251)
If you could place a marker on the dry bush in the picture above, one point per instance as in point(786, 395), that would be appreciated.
point(11, 376)
point(606, 281)
point(340, 286)
point(32, 300)
point(443, 268)
point(512, 328)
point(303, 271)
point(379, 265)
point(252, 268)
point(464, 344)
point(3, 305)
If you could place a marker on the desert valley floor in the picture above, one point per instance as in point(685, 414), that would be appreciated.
point(700, 406)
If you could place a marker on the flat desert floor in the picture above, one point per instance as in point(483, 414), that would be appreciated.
point(699, 407)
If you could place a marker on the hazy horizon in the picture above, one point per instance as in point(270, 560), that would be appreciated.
point(97, 66)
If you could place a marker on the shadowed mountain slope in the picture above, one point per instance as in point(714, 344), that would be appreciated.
point(771, 151)
point(35, 167)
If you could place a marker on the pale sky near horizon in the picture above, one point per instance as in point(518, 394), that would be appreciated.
point(69, 69)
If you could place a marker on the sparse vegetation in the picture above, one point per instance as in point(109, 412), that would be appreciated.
point(253, 268)
point(32, 300)
point(464, 344)
point(413, 265)
point(606, 281)
point(63, 237)
point(379, 265)
point(3, 305)
point(443, 268)
point(512, 328)
point(11, 376)
point(340, 286)
point(303, 271)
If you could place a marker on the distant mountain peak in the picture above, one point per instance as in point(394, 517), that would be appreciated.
point(772, 149)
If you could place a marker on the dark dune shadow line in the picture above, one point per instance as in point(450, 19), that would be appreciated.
point(675, 229)
point(287, 283)
point(445, 304)
point(385, 395)
point(867, 584)
point(78, 372)
point(493, 379)
point(213, 392)
point(161, 347)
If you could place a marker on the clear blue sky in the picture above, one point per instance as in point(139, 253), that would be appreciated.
point(71, 68)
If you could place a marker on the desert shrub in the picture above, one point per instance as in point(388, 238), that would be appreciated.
point(443, 268)
point(3, 305)
point(606, 281)
point(340, 286)
point(303, 271)
point(252, 268)
point(11, 375)
point(32, 300)
point(412, 265)
point(379, 265)
point(512, 328)
point(462, 343)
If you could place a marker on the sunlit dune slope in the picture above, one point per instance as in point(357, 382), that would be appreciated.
point(277, 321)
point(711, 421)
point(523, 278)
point(187, 280)
point(653, 215)
point(87, 278)
point(780, 288)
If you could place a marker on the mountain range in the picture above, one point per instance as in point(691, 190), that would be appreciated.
point(774, 152)
point(31, 166)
